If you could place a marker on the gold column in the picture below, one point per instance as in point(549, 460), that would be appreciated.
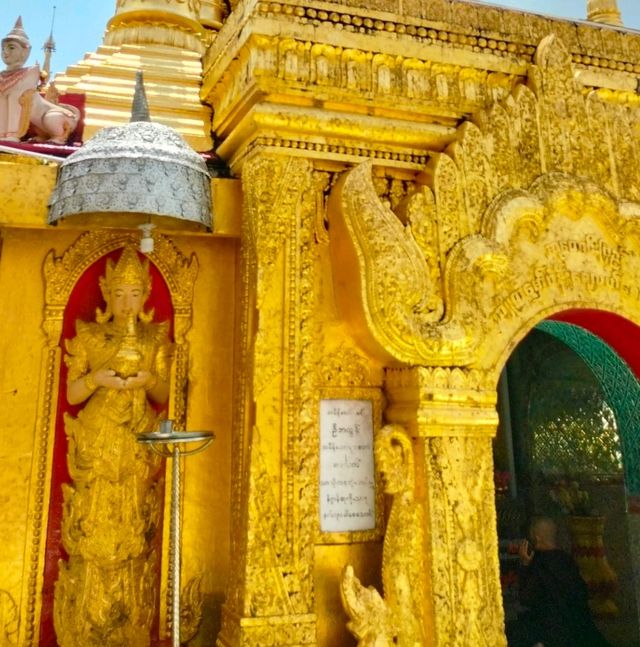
point(450, 412)
point(604, 11)
point(270, 600)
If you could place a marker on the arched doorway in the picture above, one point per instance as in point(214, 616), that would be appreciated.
point(567, 446)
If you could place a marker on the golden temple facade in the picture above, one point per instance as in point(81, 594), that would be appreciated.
point(402, 190)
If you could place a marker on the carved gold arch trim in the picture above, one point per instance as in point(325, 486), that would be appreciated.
point(60, 276)
point(566, 243)
point(532, 210)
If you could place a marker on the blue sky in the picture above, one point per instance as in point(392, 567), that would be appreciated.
point(80, 24)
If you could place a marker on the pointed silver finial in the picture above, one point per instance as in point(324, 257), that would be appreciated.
point(140, 107)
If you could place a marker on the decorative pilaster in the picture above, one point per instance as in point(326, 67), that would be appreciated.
point(451, 415)
point(270, 600)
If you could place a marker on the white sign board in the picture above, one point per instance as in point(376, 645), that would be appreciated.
point(347, 476)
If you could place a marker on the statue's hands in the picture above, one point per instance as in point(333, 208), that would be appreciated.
point(108, 378)
point(142, 380)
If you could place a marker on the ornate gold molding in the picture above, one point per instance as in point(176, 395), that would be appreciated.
point(60, 275)
point(526, 191)
point(335, 125)
point(434, 401)
point(461, 25)
point(407, 62)
point(280, 63)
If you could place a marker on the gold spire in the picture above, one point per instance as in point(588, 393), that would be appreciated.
point(604, 11)
point(165, 39)
point(156, 22)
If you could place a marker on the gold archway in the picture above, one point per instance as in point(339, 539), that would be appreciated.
point(532, 210)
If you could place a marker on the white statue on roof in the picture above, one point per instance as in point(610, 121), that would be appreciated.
point(21, 105)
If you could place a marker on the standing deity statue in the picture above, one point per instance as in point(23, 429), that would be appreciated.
point(106, 593)
point(20, 103)
point(395, 620)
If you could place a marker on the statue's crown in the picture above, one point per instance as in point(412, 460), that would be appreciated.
point(18, 34)
point(127, 271)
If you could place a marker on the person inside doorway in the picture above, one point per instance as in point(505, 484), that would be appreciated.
point(553, 594)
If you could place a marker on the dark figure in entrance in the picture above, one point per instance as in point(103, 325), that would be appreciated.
point(553, 594)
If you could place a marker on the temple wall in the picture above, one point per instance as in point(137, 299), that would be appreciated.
point(21, 345)
point(421, 184)
point(207, 478)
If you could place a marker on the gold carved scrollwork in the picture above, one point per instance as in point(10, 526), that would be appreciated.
point(266, 593)
point(60, 276)
point(497, 240)
point(344, 367)
point(396, 296)
point(396, 618)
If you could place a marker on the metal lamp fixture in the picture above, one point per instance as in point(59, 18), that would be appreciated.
point(174, 444)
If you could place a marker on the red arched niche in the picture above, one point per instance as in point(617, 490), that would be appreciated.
point(83, 301)
point(619, 333)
